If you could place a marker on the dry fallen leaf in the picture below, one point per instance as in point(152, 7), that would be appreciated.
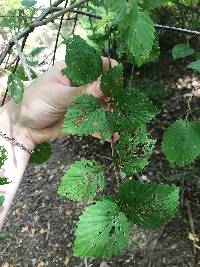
point(24, 229)
point(41, 264)
point(42, 231)
point(193, 237)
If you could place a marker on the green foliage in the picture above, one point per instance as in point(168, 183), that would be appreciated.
point(131, 110)
point(133, 151)
point(112, 81)
point(28, 3)
point(181, 142)
point(182, 50)
point(154, 89)
point(126, 11)
point(150, 4)
point(2, 199)
point(84, 64)
point(4, 180)
point(20, 73)
point(82, 180)
point(3, 155)
point(139, 36)
point(195, 65)
point(86, 116)
point(102, 231)
point(42, 152)
point(148, 205)
point(15, 88)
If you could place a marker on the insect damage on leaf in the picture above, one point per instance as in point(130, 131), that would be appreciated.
point(102, 231)
point(148, 205)
point(82, 180)
point(133, 151)
point(84, 63)
point(86, 116)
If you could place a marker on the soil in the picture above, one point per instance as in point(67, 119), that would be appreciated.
point(39, 230)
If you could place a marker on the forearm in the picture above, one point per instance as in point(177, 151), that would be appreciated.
point(15, 165)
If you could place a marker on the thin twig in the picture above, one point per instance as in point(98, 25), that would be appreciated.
point(85, 262)
point(116, 173)
point(23, 60)
point(192, 228)
point(58, 34)
point(131, 79)
point(171, 28)
point(75, 23)
point(42, 21)
point(157, 26)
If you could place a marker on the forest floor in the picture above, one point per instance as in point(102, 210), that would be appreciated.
point(39, 230)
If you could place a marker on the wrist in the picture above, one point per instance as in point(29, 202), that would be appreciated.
point(10, 125)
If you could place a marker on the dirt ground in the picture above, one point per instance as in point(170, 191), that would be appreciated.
point(39, 230)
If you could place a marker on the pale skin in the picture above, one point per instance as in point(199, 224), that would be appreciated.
point(38, 118)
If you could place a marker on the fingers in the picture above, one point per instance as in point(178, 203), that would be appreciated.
point(107, 62)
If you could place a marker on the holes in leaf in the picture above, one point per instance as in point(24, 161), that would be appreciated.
point(111, 232)
point(94, 244)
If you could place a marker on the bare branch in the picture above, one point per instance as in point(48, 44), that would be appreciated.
point(157, 26)
point(58, 34)
point(26, 31)
point(171, 28)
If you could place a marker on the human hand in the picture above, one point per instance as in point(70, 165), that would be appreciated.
point(46, 99)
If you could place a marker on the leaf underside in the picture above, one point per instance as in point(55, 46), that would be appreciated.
point(181, 50)
point(102, 231)
point(181, 142)
point(15, 88)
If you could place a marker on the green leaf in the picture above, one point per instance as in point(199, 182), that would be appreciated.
point(84, 64)
point(102, 231)
point(133, 151)
point(124, 12)
point(132, 109)
point(2, 199)
point(112, 81)
point(181, 142)
point(4, 180)
point(15, 88)
point(82, 180)
point(20, 73)
point(181, 50)
point(148, 205)
point(28, 3)
point(150, 4)
point(86, 116)
point(195, 65)
point(42, 153)
point(3, 155)
point(139, 36)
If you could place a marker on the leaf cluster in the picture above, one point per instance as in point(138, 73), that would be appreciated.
point(103, 228)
